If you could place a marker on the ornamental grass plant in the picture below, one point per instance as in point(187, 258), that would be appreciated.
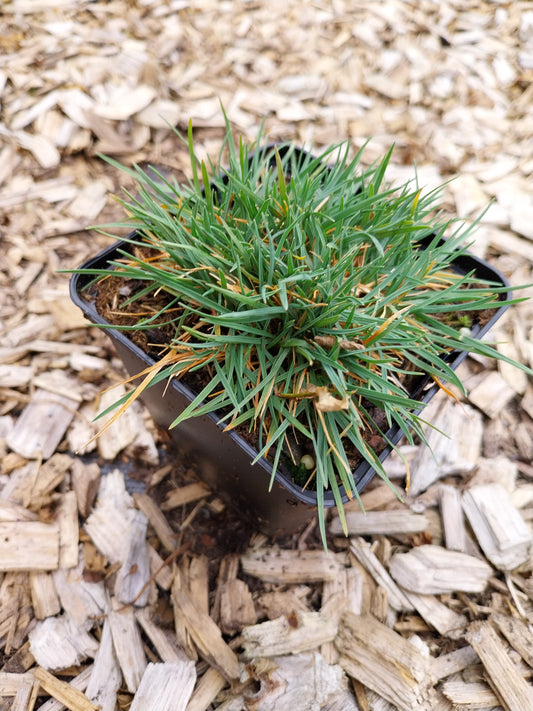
point(296, 290)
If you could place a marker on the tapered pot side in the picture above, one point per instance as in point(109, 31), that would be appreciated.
point(224, 459)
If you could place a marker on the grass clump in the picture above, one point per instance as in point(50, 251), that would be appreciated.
point(299, 283)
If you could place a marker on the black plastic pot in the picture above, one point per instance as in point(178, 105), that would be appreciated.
point(223, 459)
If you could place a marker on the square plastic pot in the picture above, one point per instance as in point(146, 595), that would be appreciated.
point(224, 459)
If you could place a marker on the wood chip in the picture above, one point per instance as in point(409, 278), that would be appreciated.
point(383, 661)
point(106, 677)
point(42, 424)
point(128, 646)
point(517, 633)
point(433, 570)
point(29, 545)
point(165, 687)
point(206, 690)
point(58, 643)
point(207, 637)
point(512, 690)
point(44, 597)
point(290, 634)
point(387, 523)
point(60, 690)
point(452, 515)
point(492, 394)
point(396, 598)
point(285, 566)
point(500, 530)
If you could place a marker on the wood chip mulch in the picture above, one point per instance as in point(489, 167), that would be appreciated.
point(124, 582)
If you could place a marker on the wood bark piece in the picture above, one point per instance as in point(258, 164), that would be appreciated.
point(58, 643)
point(165, 687)
point(512, 690)
point(128, 646)
point(385, 662)
point(42, 424)
point(453, 520)
point(106, 677)
point(206, 690)
point(290, 634)
point(396, 598)
point(433, 570)
point(498, 526)
point(29, 545)
point(60, 690)
point(286, 566)
point(44, 597)
point(159, 523)
point(207, 637)
point(517, 633)
point(281, 687)
point(386, 523)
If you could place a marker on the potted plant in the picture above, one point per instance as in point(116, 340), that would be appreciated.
point(287, 317)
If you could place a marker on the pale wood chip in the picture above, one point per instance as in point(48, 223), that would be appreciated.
point(383, 661)
point(58, 643)
point(42, 424)
point(106, 677)
point(290, 634)
point(453, 662)
point(470, 694)
point(29, 545)
point(157, 519)
point(387, 523)
point(120, 433)
point(185, 495)
point(498, 526)
point(207, 637)
point(281, 684)
point(431, 569)
point(362, 551)
point(517, 633)
point(165, 687)
point(45, 600)
point(60, 690)
point(512, 690)
point(128, 646)
point(452, 515)
point(206, 690)
point(492, 394)
point(285, 566)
